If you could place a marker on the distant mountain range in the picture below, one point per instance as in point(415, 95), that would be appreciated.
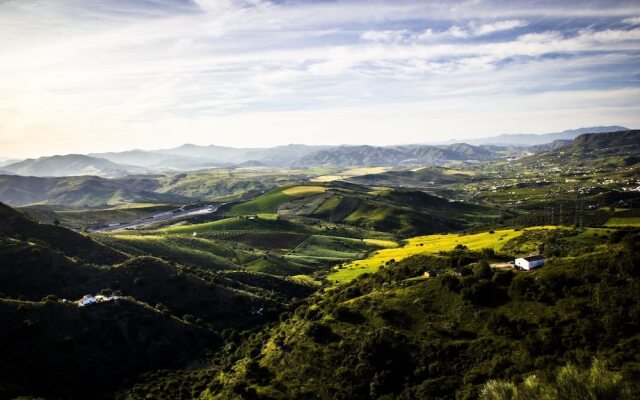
point(532, 139)
point(94, 191)
point(190, 157)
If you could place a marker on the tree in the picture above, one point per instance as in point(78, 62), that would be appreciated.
point(483, 270)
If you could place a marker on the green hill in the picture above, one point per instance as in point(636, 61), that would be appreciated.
point(55, 350)
point(70, 165)
point(166, 314)
point(15, 224)
point(399, 335)
point(82, 191)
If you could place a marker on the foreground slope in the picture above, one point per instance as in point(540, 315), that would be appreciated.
point(163, 313)
point(397, 335)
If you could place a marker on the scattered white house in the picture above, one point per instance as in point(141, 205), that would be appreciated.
point(530, 262)
point(86, 300)
point(89, 299)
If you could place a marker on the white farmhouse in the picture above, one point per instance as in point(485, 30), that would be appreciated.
point(86, 300)
point(530, 262)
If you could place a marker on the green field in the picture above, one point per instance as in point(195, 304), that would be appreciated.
point(422, 245)
point(270, 201)
point(198, 252)
point(623, 221)
point(239, 223)
point(277, 266)
point(331, 249)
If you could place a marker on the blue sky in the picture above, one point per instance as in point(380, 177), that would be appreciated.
point(97, 75)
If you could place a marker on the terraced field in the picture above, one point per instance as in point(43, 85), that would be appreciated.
point(319, 248)
point(425, 244)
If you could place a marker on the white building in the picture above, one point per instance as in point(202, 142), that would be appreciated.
point(530, 262)
point(86, 300)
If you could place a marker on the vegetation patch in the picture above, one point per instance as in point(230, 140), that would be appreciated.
point(623, 221)
point(426, 244)
point(303, 191)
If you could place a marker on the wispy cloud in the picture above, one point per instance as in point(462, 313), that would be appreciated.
point(499, 26)
point(152, 73)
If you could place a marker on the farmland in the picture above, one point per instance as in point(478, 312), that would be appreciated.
point(426, 244)
point(623, 221)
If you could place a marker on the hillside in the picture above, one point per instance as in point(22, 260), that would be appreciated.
point(83, 191)
point(358, 156)
point(612, 147)
point(16, 225)
point(399, 335)
point(166, 313)
point(528, 139)
point(417, 178)
point(623, 142)
point(57, 350)
point(70, 165)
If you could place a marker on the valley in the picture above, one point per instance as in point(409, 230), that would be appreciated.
point(344, 280)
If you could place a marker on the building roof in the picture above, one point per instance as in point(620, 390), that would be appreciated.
point(535, 258)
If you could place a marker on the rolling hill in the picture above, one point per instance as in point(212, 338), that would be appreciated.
point(611, 147)
point(70, 165)
point(164, 313)
point(404, 334)
point(81, 191)
point(15, 224)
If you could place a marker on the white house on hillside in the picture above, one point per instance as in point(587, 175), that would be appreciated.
point(530, 262)
point(86, 300)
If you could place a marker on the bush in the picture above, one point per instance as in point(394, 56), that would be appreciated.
point(483, 270)
point(570, 383)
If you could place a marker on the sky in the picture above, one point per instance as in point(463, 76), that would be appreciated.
point(80, 76)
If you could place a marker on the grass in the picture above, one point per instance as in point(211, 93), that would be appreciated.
point(239, 223)
point(425, 244)
point(328, 205)
point(349, 173)
point(304, 191)
point(276, 266)
point(267, 203)
point(623, 221)
point(381, 243)
point(332, 248)
point(185, 250)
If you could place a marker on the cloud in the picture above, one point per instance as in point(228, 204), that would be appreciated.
point(388, 36)
point(631, 21)
point(499, 26)
point(128, 75)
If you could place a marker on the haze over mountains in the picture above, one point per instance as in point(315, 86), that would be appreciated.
point(181, 188)
point(190, 157)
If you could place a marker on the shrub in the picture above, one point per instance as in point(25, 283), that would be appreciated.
point(570, 383)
